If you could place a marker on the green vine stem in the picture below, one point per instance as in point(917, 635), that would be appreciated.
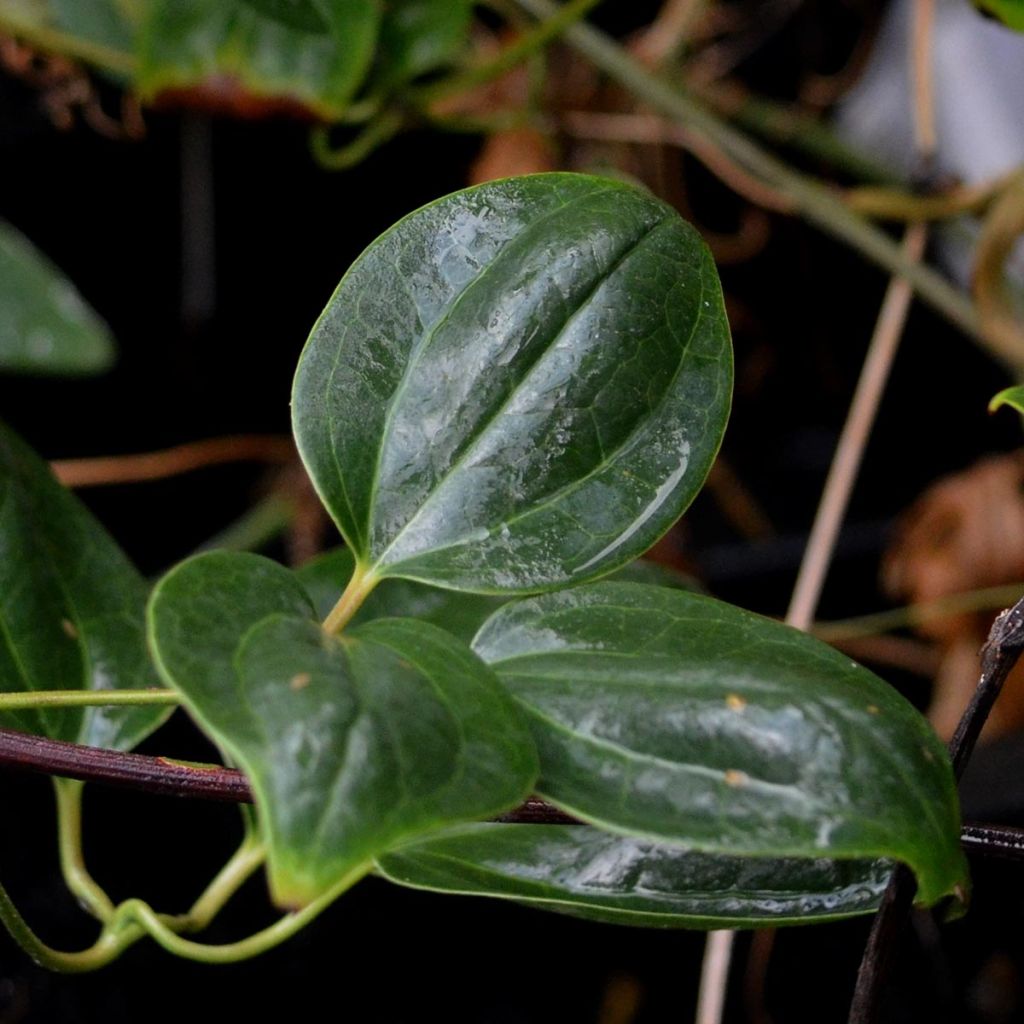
point(382, 129)
point(28, 700)
point(249, 856)
point(115, 938)
point(260, 942)
point(792, 128)
point(986, 599)
point(359, 586)
point(811, 199)
point(86, 890)
point(257, 526)
point(529, 43)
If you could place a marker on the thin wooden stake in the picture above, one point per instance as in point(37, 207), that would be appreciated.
point(818, 555)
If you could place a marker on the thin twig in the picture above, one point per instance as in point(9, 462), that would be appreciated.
point(122, 469)
point(998, 657)
point(669, 32)
point(922, 80)
point(167, 777)
point(650, 130)
point(986, 599)
point(843, 471)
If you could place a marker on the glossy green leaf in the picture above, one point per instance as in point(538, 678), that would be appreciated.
point(1010, 12)
point(1013, 397)
point(71, 608)
point(518, 387)
point(352, 744)
point(45, 327)
point(461, 614)
point(678, 718)
point(420, 36)
point(622, 880)
point(234, 52)
point(303, 15)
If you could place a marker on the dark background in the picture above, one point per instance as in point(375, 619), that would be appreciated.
point(113, 216)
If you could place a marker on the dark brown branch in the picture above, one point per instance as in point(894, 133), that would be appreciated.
point(131, 771)
point(993, 841)
point(173, 778)
point(163, 776)
point(998, 657)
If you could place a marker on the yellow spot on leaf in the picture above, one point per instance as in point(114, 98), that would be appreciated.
point(736, 778)
point(735, 702)
point(69, 628)
point(873, 709)
point(300, 681)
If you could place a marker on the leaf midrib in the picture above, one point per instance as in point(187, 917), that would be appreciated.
point(423, 343)
point(544, 501)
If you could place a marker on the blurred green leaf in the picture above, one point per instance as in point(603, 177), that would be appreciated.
point(45, 326)
point(229, 55)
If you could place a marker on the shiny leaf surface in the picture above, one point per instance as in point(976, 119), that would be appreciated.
point(518, 387)
point(351, 744)
point(45, 326)
point(678, 718)
point(71, 608)
point(620, 880)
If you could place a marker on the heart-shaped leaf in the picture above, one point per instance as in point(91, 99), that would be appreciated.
point(353, 743)
point(678, 718)
point(45, 327)
point(518, 387)
point(461, 614)
point(621, 880)
point(227, 54)
point(72, 608)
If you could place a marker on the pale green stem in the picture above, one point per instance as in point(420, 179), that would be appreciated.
point(811, 199)
point(988, 599)
point(529, 43)
point(253, 945)
point(89, 894)
point(111, 943)
point(250, 854)
point(259, 525)
point(26, 700)
point(359, 586)
point(791, 127)
point(51, 40)
point(375, 134)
